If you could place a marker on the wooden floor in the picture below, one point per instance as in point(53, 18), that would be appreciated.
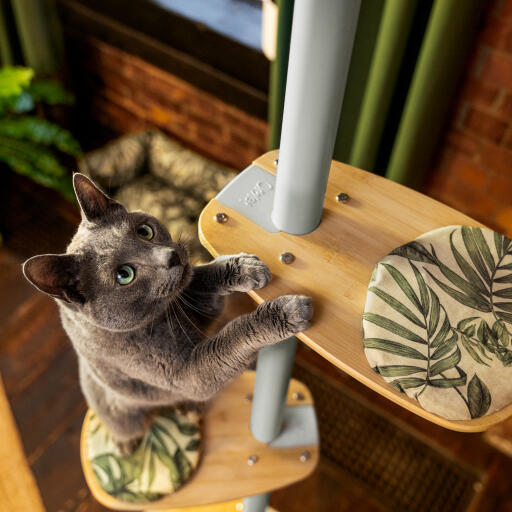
point(39, 369)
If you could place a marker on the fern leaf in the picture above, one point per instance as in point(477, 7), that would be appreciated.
point(39, 156)
point(40, 131)
point(50, 92)
point(13, 80)
point(63, 184)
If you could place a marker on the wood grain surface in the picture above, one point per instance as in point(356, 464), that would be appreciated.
point(18, 489)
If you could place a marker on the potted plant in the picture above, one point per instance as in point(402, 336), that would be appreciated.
point(29, 144)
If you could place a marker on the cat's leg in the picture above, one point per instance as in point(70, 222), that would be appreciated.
point(216, 361)
point(228, 274)
point(127, 424)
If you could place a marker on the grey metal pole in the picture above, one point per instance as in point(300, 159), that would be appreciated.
point(273, 373)
point(257, 503)
point(321, 46)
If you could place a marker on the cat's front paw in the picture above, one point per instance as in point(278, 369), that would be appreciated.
point(295, 313)
point(298, 312)
point(247, 273)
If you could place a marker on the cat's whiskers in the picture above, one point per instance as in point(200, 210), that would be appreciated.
point(168, 319)
point(195, 307)
point(171, 304)
point(189, 319)
point(185, 243)
point(152, 324)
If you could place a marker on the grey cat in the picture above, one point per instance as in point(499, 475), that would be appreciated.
point(136, 310)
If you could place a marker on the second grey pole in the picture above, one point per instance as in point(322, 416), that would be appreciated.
point(258, 503)
point(273, 373)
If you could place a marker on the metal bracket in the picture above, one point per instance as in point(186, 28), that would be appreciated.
point(300, 427)
point(251, 193)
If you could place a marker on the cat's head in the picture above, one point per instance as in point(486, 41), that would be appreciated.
point(121, 268)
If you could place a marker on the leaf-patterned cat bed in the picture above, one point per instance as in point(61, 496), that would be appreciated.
point(438, 321)
point(164, 461)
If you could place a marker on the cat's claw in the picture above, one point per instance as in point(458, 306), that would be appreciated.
point(250, 274)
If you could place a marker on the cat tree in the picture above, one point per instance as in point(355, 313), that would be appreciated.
point(321, 227)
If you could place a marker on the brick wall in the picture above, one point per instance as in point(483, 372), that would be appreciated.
point(126, 94)
point(473, 170)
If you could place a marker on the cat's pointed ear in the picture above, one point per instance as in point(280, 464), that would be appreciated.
point(57, 275)
point(93, 202)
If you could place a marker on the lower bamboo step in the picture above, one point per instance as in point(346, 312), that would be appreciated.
point(224, 474)
point(228, 506)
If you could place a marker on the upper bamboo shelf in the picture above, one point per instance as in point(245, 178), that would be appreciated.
point(335, 262)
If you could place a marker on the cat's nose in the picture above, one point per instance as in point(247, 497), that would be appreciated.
point(173, 258)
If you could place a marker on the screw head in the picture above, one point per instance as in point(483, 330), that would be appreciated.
point(305, 455)
point(252, 460)
point(287, 258)
point(276, 161)
point(221, 218)
point(342, 197)
point(248, 397)
point(298, 395)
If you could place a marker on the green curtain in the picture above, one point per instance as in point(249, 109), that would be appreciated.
point(364, 48)
point(30, 35)
point(278, 71)
point(407, 61)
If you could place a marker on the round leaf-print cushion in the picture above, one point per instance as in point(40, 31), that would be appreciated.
point(438, 321)
point(164, 461)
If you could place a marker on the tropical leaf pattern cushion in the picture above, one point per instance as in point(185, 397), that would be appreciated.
point(164, 461)
point(438, 321)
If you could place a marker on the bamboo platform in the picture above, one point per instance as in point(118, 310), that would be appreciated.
point(335, 262)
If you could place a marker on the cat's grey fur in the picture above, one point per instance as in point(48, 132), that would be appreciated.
point(142, 345)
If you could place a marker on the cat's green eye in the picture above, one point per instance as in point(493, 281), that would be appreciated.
point(145, 232)
point(125, 274)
